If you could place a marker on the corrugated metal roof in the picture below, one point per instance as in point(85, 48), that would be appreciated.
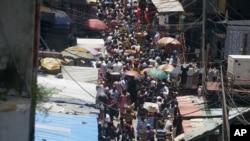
point(189, 107)
point(69, 89)
point(211, 126)
point(80, 74)
point(63, 127)
point(167, 6)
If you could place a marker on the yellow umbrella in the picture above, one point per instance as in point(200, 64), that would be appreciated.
point(52, 65)
point(77, 52)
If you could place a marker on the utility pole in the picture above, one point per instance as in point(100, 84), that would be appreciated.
point(225, 125)
point(203, 46)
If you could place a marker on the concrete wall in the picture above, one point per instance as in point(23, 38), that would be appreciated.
point(16, 45)
point(14, 120)
point(17, 22)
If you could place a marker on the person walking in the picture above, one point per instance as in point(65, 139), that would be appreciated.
point(161, 133)
point(124, 100)
point(150, 133)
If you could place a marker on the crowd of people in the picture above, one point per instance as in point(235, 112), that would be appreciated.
point(132, 46)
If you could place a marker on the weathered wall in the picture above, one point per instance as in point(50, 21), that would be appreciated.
point(14, 120)
point(17, 22)
point(16, 45)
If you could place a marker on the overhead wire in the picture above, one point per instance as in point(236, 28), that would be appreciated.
point(232, 103)
point(243, 120)
point(219, 16)
point(229, 6)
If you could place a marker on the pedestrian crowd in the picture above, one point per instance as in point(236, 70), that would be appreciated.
point(126, 89)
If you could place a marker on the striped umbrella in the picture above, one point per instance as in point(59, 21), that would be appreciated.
point(157, 73)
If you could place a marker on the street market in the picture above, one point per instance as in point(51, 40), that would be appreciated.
point(135, 80)
point(124, 70)
point(141, 70)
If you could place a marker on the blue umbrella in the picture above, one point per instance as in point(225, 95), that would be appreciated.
point(61, 18)
point(157, 73)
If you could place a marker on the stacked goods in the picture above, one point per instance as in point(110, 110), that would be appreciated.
point(140, 37)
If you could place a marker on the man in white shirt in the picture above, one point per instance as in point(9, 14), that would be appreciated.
point(103, 69)
point(117, 66)
point(114, 94)
point(124, 83)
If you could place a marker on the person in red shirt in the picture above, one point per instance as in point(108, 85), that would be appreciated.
point(138, 12)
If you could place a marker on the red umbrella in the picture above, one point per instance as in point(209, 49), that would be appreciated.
point(132, 73)
point(168, 41)
point(95, 24)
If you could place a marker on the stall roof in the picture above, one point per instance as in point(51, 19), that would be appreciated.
point(89, 41)
point(63, 127)
point(71, 87)
point(215, 124)
point(168, 6)
point(97, 44)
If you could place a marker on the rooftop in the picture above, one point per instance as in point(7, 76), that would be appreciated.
point(63, 127)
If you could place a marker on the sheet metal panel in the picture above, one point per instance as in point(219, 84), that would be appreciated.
point(167, 6)
point(63, 127)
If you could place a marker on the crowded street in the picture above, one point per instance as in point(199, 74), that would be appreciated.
point(140, 75)
point(124, 70)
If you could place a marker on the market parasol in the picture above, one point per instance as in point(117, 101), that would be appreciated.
point(145, 70)
point(52, 65)
point(132, 73)
point(166, 67)
point(77, 52)
point(168, 41)
point(157, 73)
point(95, 24)
point(59, 17)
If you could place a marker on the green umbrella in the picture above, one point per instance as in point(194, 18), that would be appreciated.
point(157, 73)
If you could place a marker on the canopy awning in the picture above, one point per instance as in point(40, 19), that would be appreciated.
point(58, 17)
point(168, 6)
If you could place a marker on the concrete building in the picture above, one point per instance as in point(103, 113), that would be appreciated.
point(18, 43)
